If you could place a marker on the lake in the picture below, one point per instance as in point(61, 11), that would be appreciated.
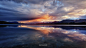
point(42, 36)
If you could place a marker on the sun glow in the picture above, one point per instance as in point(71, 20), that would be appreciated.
point(44, 18)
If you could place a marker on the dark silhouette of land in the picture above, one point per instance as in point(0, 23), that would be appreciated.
point(63, 22)
point(4, 22)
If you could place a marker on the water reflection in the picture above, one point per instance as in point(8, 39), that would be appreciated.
point(33, 36)
point(76, 34)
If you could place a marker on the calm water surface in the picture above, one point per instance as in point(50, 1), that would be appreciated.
point(47, 36)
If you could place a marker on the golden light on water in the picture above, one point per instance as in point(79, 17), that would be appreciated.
point(47, 30)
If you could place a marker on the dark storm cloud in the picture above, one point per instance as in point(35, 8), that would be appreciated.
point(29, 1)
point(12, 15)
point(8, 9)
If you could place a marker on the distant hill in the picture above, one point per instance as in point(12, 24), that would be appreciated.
point(67, 21)
point(4, 22)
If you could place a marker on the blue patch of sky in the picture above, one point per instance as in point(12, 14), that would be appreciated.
point(74, 18)
point(59, 3)
point(43, 10)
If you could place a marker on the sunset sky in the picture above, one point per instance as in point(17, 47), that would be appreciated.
point(42, 10)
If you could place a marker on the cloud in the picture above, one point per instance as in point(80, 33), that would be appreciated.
point(71, 9)
point(28, 1)
point(60, 9)
point(8, 15)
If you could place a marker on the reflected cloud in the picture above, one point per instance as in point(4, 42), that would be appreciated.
point(76, 35)
point(38, 34)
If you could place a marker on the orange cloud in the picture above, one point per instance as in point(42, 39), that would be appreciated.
point(44, 18)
